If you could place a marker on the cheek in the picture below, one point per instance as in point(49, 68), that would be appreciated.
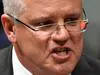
point(33, 44)
point(32, 39)
point(77, 37)
point(77, 41)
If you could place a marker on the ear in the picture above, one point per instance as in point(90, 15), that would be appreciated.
point(9, 27)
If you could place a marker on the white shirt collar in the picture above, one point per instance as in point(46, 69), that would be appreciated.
point(18, 68)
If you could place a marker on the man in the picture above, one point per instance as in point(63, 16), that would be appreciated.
point(47, 38)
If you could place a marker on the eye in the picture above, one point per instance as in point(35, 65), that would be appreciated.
point(44, 23)
point(72, 21)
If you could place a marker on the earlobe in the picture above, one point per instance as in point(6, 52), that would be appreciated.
point(12, 37)
point(8, 26)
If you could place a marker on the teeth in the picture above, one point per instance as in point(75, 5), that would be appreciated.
point(61, 53)
point(60, 49)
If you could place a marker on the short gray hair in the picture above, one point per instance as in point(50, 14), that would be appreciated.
point(13, 7)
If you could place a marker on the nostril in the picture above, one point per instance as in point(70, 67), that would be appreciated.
point(60, 42)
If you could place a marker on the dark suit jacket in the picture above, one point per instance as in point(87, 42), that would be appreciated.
point(86, 65)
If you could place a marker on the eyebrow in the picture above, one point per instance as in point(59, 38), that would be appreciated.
point(35, 20)
point(40, 19)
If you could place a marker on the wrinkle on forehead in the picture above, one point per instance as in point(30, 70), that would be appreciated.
point(45, 8)
point(51, 1)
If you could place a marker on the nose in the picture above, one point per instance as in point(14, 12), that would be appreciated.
point(60, 36)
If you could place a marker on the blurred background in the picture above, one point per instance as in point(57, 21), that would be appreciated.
point(3, 39)
point(92, 35)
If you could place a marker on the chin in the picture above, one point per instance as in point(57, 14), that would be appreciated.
point(60, 69)
point(62, 65)
point(63, 70)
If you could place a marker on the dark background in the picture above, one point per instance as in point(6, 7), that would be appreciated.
point(92, 35)
point(1, 11)
point(3, 39)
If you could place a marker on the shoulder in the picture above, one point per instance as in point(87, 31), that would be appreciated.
point(87, 65)
point(6, 61)
point(93, 62)
point(5, 54)
point(5, 51)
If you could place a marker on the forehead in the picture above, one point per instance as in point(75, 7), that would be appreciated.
point(42, 8)
point(51, 2)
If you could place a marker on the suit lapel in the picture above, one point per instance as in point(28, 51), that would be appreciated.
point(83, 68)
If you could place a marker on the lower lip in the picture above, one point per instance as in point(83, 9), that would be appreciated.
point(61, 58)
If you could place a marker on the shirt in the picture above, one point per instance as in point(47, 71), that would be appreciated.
point(18, 68)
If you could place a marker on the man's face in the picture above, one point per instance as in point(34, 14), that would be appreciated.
point(52, 53)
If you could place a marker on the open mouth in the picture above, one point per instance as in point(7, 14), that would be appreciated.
point(61, 54)
point(61, 51)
